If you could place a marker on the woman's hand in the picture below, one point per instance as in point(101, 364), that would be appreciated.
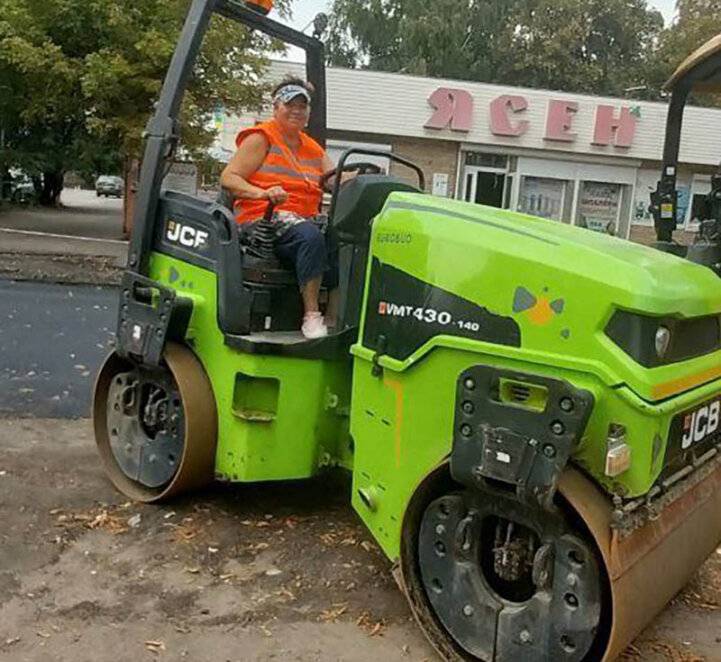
point(276, 194)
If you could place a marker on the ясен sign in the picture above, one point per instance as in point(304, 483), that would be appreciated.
point(454, 108)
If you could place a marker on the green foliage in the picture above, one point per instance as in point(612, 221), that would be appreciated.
point(78, 78)
point(595, 46)
point(697, 21)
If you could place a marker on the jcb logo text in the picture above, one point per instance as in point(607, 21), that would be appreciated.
point(186, 235)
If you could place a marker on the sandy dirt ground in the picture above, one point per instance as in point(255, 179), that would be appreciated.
point(239, 573)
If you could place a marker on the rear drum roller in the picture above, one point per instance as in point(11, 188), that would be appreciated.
point(490, 579)
point(156, 428)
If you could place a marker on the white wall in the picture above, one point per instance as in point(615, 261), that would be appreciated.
point(397, 105)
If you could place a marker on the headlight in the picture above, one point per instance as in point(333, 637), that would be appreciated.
point(663, 340)
point(655, 341)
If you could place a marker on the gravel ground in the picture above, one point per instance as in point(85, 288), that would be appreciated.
point(251, 573)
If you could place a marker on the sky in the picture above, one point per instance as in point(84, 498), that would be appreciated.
point(305, 10)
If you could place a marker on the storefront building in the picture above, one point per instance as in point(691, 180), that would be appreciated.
point(584, 160)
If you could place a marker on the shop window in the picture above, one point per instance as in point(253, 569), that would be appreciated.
point(646, 183)
point(483, 160)
point(543, 196)
point(604, 207)
point(599, 206)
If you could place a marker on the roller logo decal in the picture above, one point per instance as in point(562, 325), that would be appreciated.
point(404, 313)
point(395, 238)
point(425, 315)
point(187, 236)
point(700, 424)
point(539, 310)
point(693, 433)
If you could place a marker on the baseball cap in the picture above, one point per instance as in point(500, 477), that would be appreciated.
point(289, 92)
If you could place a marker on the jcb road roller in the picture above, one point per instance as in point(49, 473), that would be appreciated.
point(530, 411)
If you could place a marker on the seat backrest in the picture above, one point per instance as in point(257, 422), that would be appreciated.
point(360, 200)
point(205, 234)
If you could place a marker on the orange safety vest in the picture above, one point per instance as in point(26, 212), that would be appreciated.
point(263, 6)
point(298, 173)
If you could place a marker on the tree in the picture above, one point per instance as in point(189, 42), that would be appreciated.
point(595, 46)
point(425, 37)
point(696, 22)
point(78, 79)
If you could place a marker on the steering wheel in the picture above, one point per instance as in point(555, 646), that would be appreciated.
point(362, 168)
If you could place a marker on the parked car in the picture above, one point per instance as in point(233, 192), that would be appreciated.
point(108, 185)
point(22, 190)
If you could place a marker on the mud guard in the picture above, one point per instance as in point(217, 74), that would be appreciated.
point(150, 316)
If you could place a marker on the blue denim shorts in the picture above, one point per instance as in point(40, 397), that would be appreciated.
point(311, 252)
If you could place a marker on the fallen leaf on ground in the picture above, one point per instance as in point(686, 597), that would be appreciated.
point(378, 628)
point(333, 614)
point(372, 627)
point(155, 646)
point(183, 533)
point(259, 547)
point(111, 523)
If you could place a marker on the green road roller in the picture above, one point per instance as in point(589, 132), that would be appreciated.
point(530, 411)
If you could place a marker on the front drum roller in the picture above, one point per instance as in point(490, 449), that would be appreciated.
point(156, 428)
point(650, 566)
point(631, 579)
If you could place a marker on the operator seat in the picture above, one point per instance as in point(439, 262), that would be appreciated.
point(271, 286)
point(359, 201)
point(273, 289)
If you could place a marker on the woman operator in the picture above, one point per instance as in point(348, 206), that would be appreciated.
point(277, 163)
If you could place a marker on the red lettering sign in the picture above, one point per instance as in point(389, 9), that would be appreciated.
point(454, 107)
point(620, 130)
point(560, 121)
point(501, 125)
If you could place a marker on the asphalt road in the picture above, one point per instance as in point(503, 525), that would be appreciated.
point(53, 339)
point(82, 214)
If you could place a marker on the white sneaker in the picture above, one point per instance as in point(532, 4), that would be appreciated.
point(314, 327)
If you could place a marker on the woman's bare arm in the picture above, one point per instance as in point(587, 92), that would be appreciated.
point(247, 159)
